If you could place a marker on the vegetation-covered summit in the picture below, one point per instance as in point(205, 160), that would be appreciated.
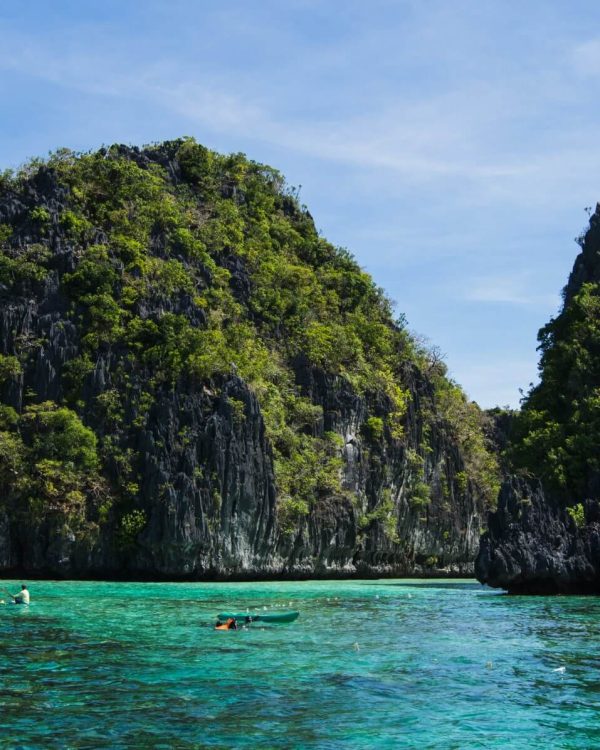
point(171, 269)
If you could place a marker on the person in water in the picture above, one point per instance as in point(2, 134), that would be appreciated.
point(22, 597)
point(231, 624)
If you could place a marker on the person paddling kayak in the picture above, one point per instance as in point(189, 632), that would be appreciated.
point(22, 597)
point(230, 624)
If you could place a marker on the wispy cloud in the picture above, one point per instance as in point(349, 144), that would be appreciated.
point(444, 135)
point(510, 289)
point(586, 57)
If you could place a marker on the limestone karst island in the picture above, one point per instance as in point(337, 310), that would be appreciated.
point(196, 384)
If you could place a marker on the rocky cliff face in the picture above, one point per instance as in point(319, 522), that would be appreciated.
point(534, 546)
point(196, 460)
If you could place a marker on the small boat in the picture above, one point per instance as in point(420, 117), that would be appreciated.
point(288, 615)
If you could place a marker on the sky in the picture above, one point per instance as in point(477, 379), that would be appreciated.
point(450, 145)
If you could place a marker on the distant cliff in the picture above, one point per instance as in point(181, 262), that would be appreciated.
point(545, 535)
point(194, 383)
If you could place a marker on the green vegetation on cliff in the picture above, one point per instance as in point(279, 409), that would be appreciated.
point(49, 465)
point(190, 267)
point(557, 434)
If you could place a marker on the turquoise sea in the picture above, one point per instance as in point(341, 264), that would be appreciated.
point(369, 664)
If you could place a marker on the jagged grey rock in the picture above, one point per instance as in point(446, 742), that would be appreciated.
point(533, 545)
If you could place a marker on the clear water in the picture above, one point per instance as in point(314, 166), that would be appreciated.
point(369, 664)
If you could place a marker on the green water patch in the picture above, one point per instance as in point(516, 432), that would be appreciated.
point(383, 664)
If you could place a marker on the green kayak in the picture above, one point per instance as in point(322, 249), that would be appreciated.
point(288, 615)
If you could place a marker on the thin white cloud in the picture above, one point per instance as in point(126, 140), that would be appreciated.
point(422, 140)
point(511, 289)
point(439, 136)
point(586, 57)
point(207, 105)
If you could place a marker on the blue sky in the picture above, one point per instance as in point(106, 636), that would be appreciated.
point(451, 145)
